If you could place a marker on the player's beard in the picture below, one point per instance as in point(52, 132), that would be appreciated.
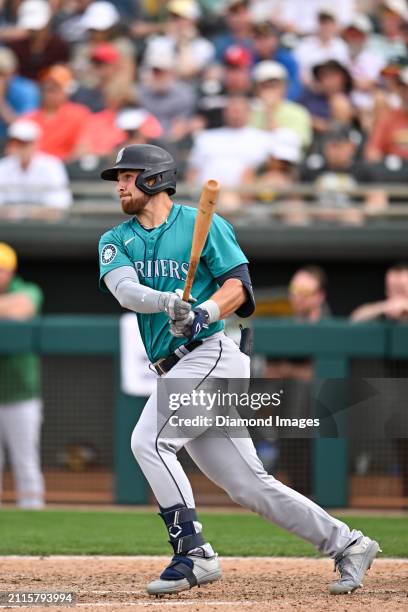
point(132, 205)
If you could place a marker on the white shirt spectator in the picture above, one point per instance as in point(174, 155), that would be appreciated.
point(43, 183)
point(225, 153)
point(301, 15)
point(312, 51)
point(199, 50)
point(366, 66)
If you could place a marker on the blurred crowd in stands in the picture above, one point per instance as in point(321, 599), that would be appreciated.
point(260, 94)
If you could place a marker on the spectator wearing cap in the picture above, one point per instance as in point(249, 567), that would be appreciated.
point(238, 21)
point(104, 61)
point(390, 133)
point(389, 43)
point(61, 121)
point(182, 39)
point(101, 136)
point(365, 65)
point(101, 21)
point(283, 155)
point(336, 173)
point(339, 155)
point(325, 45)
point(267, 47)
point(40, 47)
point(17, 94)
point(329, 97)
point(226, 153)
point(237, 62)
point(103, 132)
point(388, 91)
point(272, 180)
point(171, 101)
point(20, 388)
point(29, 177)
point(138, 126)
point(233, 77)
point(273, 110)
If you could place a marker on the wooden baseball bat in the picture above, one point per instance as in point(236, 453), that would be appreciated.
point(206, 208)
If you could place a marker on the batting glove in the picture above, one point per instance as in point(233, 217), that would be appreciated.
point(190, 326)
point(180, 292)
point(174, 306)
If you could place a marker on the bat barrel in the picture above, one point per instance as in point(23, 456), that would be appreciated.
point(206, 209)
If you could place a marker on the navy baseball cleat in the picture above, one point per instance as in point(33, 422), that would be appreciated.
point(185, 572)
point(352, 564)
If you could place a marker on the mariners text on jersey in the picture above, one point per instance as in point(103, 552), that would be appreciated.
point(160, 257)
point(162, 267)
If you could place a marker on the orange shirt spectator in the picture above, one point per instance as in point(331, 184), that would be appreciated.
point(62, 122)
point(109, 128)
point(390, 134)
point(101, 135)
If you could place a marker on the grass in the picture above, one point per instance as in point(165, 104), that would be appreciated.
point(123, 532)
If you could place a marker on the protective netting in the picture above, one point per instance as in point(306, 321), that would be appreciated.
point(378, 468)
point(77, 442)
point(77, 437)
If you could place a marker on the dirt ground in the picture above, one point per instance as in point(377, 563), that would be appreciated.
point(118, 583)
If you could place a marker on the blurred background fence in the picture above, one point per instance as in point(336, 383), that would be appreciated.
point(88, 419)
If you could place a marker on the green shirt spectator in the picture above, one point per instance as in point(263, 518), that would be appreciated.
point(273, 110)
point(286, 115)
point(20, 373)
point(20, 400)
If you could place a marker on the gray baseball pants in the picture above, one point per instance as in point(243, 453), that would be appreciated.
point(231, 463)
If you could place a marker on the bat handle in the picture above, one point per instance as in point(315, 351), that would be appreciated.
point(189, 280)
point(186, 293)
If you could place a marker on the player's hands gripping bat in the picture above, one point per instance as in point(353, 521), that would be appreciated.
point(191, 325)
point(173, 305)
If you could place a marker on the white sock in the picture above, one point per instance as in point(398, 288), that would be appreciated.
point(206, 550)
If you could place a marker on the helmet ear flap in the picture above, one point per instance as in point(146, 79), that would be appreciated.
point(164, 181)
point(149, 181)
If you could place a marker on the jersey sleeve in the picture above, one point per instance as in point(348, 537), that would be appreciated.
point(112, 255)
point(222, 252)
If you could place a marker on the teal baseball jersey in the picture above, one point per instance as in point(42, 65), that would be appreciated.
point(160, 257)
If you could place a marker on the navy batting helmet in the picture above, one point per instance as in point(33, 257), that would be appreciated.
point(153, 162)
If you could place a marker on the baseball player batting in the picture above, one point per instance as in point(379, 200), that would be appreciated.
point(144, 264)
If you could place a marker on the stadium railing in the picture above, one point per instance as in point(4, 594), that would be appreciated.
point(93, 198)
